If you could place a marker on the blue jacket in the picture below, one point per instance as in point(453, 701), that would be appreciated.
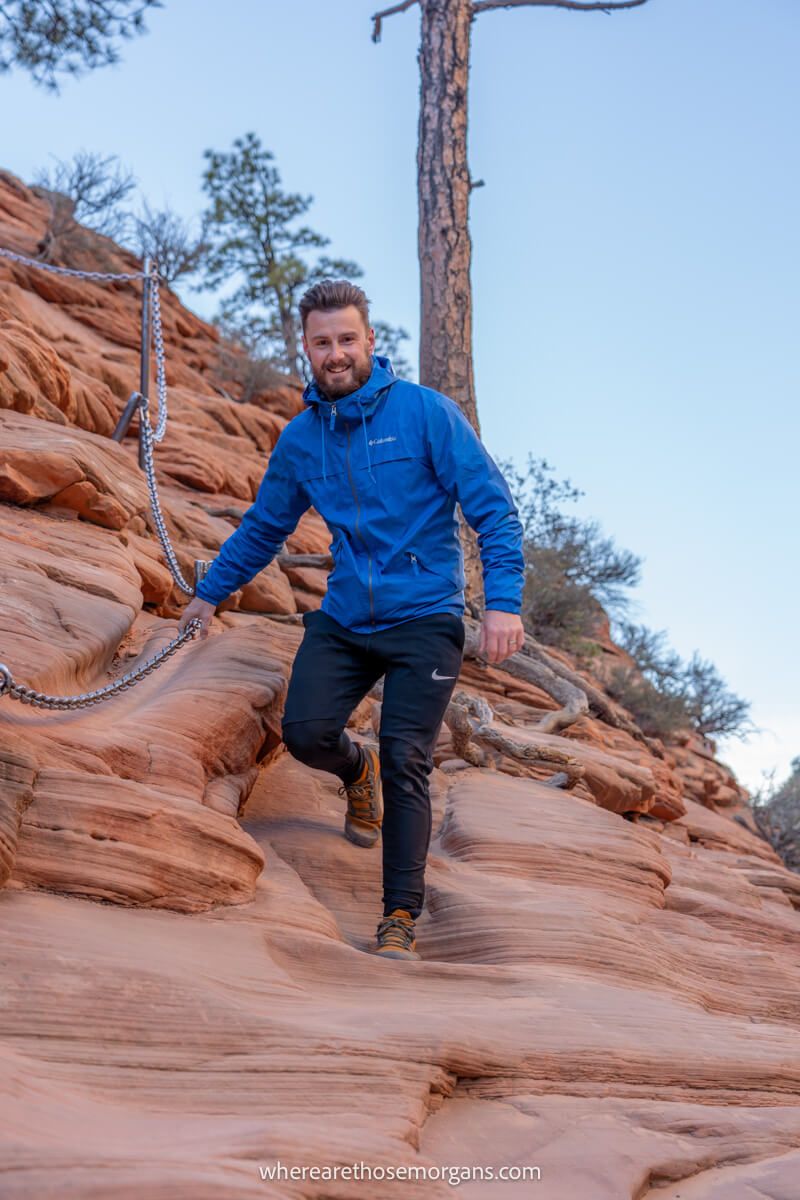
point(384, 468)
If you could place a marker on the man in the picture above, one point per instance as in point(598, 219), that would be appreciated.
point(383, 461)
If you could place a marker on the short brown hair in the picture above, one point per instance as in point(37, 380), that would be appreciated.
point(329, 294)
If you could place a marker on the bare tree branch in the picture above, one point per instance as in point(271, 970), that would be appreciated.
point(322, 562)
point(485, 5)
point(469, 719)
point(377, 18)
point(569, 689)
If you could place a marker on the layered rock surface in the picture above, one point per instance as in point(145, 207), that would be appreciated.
point(609, 979)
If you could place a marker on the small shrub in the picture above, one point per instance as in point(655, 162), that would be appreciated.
point(776, 811)
point(167, 238)
point(243, 364)
point(574, 574)
point(665, 694)
point(87, 190)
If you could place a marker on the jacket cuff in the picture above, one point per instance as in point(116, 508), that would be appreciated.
point(499, 605)
point(199, 591)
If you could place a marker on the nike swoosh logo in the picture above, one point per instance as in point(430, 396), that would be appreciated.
point(436, 675)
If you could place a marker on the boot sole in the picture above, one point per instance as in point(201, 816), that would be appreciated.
point(395, 954)
point(360, 839)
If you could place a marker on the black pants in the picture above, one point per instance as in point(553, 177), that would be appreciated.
point(333, 670)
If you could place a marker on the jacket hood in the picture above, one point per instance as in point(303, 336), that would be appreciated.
point(358, 405)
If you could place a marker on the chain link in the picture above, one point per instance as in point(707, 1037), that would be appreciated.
point(161, 364)
point(148, 436)
point(26, 695)
point(158, 334)
point(98, 275)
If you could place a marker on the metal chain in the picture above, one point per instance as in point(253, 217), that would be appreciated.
point(158, 335)
point(161, 365)
point(148, 438)
point(35, 262)
point(26, 695)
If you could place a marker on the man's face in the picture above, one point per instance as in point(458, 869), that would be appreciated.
point(339, 348)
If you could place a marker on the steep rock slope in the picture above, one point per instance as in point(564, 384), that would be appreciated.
point(609, 977)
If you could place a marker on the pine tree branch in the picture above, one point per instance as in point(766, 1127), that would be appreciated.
point(377, 18)
point(601, 6)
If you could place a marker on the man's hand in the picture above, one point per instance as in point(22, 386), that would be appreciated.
point(502, 633)
point(198, 608)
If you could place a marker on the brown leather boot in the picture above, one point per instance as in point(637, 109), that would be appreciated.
point(362, 824)
point(395, 937)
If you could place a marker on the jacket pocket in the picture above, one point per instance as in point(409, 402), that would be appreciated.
point(445, 572)
point(405, 585)
point(393, 469)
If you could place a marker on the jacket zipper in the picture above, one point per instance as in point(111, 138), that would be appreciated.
point(358, 531)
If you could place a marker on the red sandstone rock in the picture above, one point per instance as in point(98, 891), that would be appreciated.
point(84, 472)
point(311, 580)
point(613, 1000)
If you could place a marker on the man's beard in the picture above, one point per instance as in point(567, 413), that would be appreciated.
point(337, 386)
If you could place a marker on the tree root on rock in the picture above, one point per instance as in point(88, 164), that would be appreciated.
point(469, 719)
point(577, 698)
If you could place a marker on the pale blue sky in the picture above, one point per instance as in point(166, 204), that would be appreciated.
point(635, 256)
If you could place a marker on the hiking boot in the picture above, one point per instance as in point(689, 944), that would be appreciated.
point(362, 824)
point(396, 936)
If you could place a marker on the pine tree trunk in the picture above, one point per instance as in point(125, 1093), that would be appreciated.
point(445, 247)
point(289, 329)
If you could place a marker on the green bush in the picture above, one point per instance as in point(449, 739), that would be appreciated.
point(657, 713)
point(574, 574)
